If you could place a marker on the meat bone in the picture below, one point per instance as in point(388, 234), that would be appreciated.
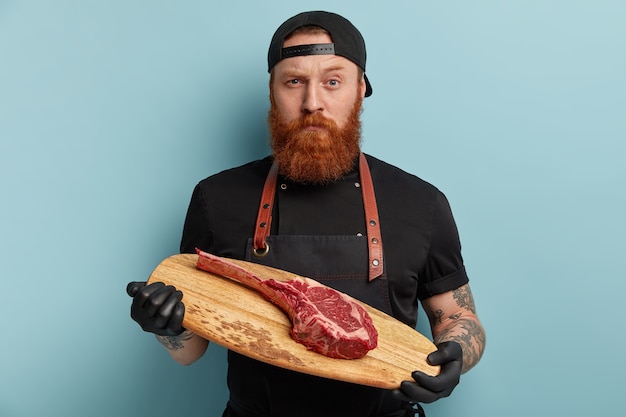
point(324, 320)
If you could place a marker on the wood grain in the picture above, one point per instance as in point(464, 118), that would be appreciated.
point(238, 318)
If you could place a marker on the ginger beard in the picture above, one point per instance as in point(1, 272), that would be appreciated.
point(318, 156)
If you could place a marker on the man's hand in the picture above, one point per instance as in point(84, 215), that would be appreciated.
point(427, 389)
point(157, 308)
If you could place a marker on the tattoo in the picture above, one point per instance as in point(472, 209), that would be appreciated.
point(454, 316)
point(435, 317)
point(175, 342)
point(464, 298)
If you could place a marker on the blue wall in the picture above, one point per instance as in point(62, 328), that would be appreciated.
point(111, 111)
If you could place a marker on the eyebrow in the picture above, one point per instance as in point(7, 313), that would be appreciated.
point(296, 72)
point(335, 68)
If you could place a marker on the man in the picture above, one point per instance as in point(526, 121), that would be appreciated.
point(328, 224)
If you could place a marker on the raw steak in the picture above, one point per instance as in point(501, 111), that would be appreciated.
point(323, 319)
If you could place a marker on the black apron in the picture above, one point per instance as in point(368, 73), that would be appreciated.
point(351, 264)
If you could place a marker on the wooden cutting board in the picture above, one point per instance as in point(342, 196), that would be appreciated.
point(238, 318)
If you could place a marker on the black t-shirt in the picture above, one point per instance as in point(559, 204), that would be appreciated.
point(421, 245)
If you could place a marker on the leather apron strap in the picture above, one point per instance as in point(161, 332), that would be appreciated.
point(374, 237)
point(264, 216)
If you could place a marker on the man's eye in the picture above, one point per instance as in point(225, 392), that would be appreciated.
point(333, 83)
point(294, 82)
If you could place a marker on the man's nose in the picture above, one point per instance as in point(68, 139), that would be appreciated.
point(312, 100)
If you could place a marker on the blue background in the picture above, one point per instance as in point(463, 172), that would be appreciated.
point(111, 111)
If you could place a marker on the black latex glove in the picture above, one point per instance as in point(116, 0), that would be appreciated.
point(157, 307)
point(427, 389)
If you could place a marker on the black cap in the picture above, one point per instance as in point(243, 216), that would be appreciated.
point(347, 40)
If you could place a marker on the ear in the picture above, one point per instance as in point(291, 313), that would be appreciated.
point(271, 86)
point(362, 86)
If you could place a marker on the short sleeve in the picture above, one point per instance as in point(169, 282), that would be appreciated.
point(196, 231)
point(443, 270)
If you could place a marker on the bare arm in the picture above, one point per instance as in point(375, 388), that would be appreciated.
point(453, 317)
point(186, 348)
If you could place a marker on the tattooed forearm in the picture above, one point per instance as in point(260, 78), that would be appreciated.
point(453, 317)
point(470, 335)
point(175, 342)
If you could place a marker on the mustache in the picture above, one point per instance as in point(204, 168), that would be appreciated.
point(313, 119)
